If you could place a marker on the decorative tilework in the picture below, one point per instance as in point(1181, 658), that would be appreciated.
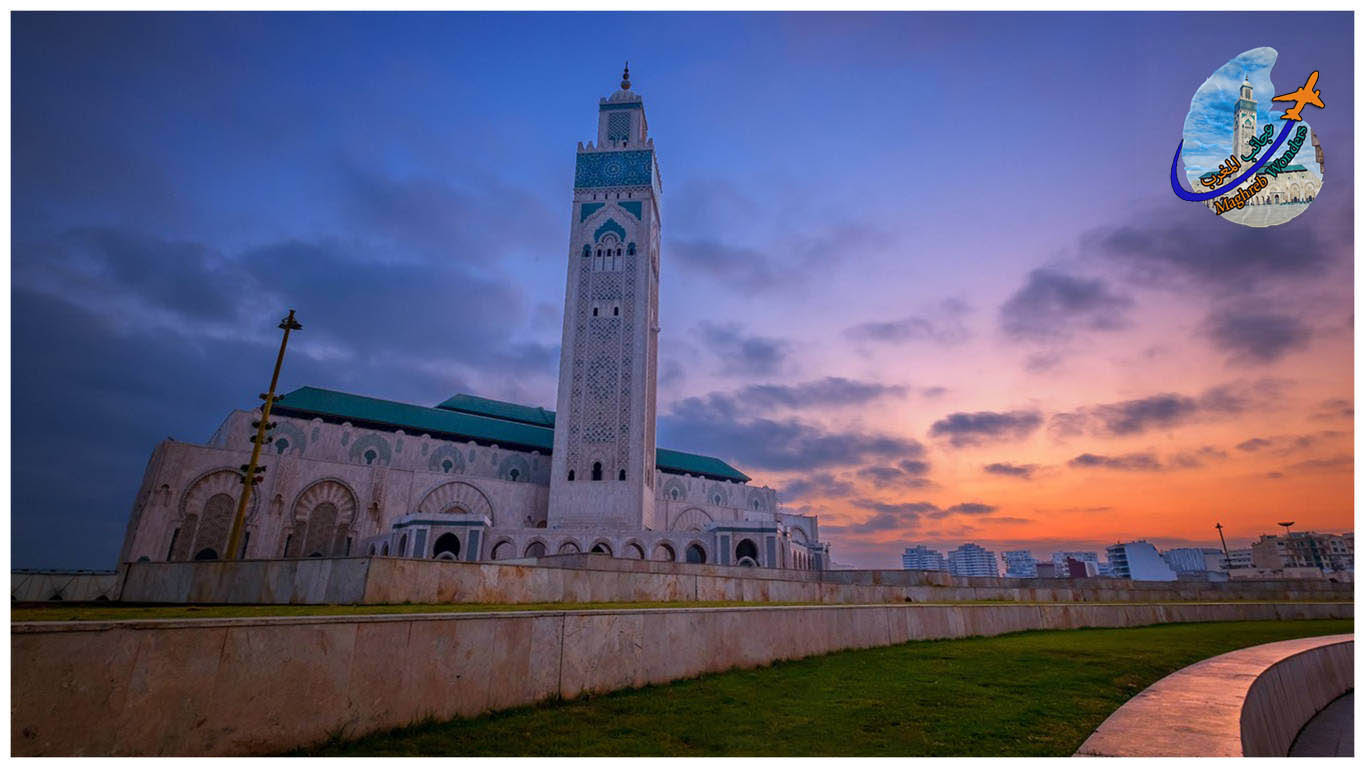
point(588, 209)
point(609, 225)
point(618, 126)
point(633, 207)
point(621, 105)
point(614, 169)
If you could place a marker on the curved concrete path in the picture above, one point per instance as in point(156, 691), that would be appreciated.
point(1331, 732)
point(1234, 705)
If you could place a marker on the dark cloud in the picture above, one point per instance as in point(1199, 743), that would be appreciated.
point(1256, 336)
point(906, 473)
point(829, 391)
point(1334, 408)
point(816, 485)
point(963, 429)
point(1224, 260)
point(711, 425)
point(1253, 445)
point(904, 516)
point(746, 268)
point(741, 354)
point(1339, 463)
point(1161, 411)
point(1131, 462)
point(1024, 471)
point(1052, 304)
point(945, 327)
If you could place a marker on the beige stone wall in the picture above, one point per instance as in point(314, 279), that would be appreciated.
point(254, 686)
point(595, 578)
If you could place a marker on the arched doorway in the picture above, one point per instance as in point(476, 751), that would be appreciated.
point(447, 547)
point(664, 553)
point(207, 553)
point(695, 554)
point(601, 548)
point(634, 552)
point(746, 550)
point(536, 549)
point(569, 548)
point(503, 550)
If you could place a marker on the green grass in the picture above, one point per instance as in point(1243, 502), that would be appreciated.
point(1030, 693)
point(111, 612)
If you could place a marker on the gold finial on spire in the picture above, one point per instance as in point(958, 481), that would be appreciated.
point(625, 78)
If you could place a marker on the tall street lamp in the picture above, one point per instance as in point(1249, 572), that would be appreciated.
point(251, 473)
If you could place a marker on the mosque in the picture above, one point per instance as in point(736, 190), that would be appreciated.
point(1293, 188)
point(475, 479)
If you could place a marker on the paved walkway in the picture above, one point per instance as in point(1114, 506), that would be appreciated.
point(1330, 733)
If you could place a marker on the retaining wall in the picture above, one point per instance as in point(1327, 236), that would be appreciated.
point(251, 686)
point(605, 579)
point(1250, 702)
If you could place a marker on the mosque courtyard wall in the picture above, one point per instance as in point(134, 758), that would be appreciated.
point(264, 685)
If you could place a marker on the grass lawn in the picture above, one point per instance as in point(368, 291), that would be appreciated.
point(113, 612)
point(1030, 693)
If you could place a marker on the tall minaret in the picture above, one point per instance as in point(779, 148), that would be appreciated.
point(1244, 120)
point(602, 469)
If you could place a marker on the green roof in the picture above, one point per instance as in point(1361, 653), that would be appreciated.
point(466, 417)
point(482, 406)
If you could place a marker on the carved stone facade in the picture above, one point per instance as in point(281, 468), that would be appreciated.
point(474, 479)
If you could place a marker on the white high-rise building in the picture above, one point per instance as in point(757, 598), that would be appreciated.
point(1019, 564)
point(1139, 561)
point(922, 558)
point(972, 560)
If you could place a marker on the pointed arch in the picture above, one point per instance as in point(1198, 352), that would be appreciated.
point(455, 497)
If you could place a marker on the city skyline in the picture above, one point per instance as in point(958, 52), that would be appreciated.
point(862, 305)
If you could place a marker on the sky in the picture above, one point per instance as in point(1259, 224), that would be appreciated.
point(922, 273)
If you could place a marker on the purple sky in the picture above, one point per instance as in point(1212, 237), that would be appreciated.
point(950, 215)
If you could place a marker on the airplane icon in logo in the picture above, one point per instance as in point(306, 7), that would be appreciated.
point(1304, 95)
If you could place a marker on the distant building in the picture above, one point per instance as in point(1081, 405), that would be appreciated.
point(1238, 558)
point(1019, 564)
point(1064, 570)
point(1305, 549)
point(1046, 571)
point(972, 560)
point(1079, 569)
point(1139, 561)
point(1194, 559)
point(922, 558)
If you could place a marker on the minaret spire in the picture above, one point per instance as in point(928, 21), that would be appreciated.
point(625, 78)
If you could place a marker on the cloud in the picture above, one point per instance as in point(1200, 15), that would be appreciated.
point(945, 328)
point(1052, 305)
point(711, 425)
point(742, 267)
point(1253, 445)
point(742, 354)
point(1339, 463)
point(823, 485)
point(1022, 471)
point(1184, 254)
point(1256, 336)
point(906, 473)
point(1132, 462)
point(1334, 408)
point(964, 429)
point(905, 516)
point(829, 391)
point(1160, 411)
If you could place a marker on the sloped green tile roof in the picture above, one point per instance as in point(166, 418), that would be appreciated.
point(482, 406)
point(680, 463)
point(370, 411)
point(466, 417)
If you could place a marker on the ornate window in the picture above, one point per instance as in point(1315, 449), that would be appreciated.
point(597, 470)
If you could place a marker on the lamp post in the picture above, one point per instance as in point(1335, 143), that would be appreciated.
point(1227, 558)
point(251, 473)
